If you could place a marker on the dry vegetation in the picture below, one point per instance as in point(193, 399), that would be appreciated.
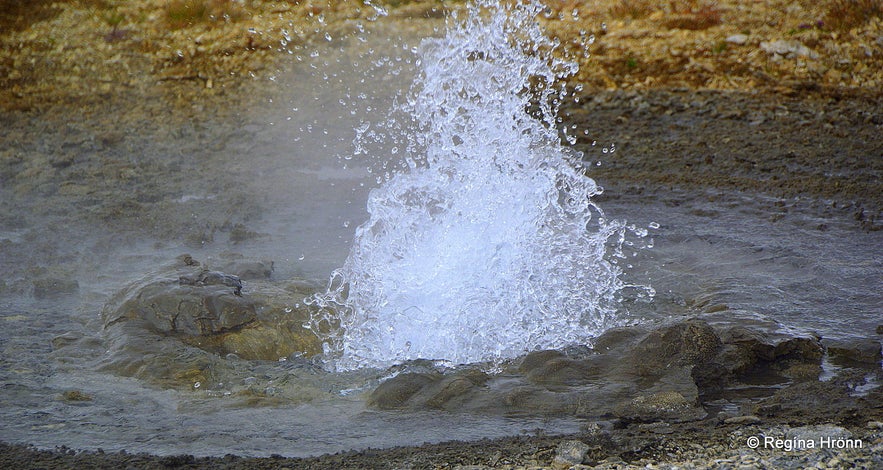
point(186, 13)
point(82, 50)
point(848, 14)
point(725, 44)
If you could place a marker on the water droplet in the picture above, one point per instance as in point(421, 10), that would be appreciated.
point(455, 224)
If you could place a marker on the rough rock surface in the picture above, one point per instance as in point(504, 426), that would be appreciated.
point(185, 325)
point(672, 374)
point(209, 309)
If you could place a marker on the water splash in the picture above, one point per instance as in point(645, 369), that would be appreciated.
point(487, 244)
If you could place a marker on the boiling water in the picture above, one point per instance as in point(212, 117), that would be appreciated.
point(275, 169)
point(488, 244)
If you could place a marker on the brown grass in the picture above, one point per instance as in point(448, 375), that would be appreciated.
point(17, 15)
point(634, 9)
point(693, 15)
point(185, 13)
point(847, 14)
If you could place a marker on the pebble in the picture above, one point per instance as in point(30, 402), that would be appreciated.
point(76, 395)
point(737, 39)
point(788, 49)
point(748, 419)
point(569, 453)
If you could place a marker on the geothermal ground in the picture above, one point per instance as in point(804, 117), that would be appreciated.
point(780, 101)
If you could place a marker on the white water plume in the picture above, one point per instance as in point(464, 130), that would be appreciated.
point(488, 243)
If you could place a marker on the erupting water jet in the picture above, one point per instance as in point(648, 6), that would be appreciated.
point(488, 243)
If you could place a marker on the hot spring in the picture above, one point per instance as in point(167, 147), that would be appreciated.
point(487, 243)
point(429, 187)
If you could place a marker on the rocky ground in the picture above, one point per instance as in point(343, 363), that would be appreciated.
point(84, 52)
point(707, 444)
point(776, 98)
point(685, 395)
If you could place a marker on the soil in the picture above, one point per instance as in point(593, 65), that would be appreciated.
point(773, 98)
point(820, 146)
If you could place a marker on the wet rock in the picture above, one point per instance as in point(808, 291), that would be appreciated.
point(747, 356)
point(246, 268)
point(801, 372)
point(395, 392)
point(743, 348)
point(66, 339)
point(663, 375)
point(553, 368)
point(206, 277)
point(174, 326)
point(76, 395)
point(742, 420)
point(808, 401)
point(538, 401)
point(711, 379)
point(618, 338)
point(258, 342)
point(204, 303)
point(569, 453)
point(208, 309)
point(879, 329)
point(452, 392)
point(862, 351)
point(536, 359)
point(687, 343)
point(661, 406)
point(658, 427)
point(798, 350)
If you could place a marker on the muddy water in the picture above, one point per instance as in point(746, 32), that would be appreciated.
point(91, 203)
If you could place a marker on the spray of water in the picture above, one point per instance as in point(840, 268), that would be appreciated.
point(487, 243)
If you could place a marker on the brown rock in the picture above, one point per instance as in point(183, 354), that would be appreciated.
point(863, 351)
point(395, 392)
